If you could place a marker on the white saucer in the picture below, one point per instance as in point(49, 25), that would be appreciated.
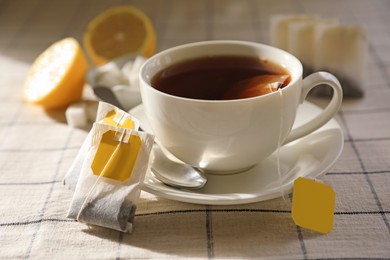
point(310, 157)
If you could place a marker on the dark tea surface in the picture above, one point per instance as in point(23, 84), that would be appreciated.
point(221, 78)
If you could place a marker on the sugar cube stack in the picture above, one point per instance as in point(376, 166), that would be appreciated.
point(324, 45)
point(279, 28)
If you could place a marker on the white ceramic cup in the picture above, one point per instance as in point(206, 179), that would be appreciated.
point(225, 136)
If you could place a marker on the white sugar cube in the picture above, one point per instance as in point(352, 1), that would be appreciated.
point(342, 49)
point(302, 38)
point(109, 75)
point(81, 114)
point(126, 69)
point(128, 97)
point(279, 36)
point(131, 70)
point(138, 62)
point(76, 115)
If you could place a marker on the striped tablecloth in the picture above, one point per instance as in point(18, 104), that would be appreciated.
point(37, 147)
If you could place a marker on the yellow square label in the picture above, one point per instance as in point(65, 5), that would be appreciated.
point(313, 205)
point(126, 122)
point(115, 159)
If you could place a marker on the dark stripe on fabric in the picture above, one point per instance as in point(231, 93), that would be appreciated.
point(212, 210)
point(209, 232)
point(28, 183)
point(24, 223)
point(349, 140)
point(252, 211)
point(301, 242)
point(26, 123)
point(367, 111)
point(120, 239)
point(24, 150)
point(379, 212)
point(357, 173)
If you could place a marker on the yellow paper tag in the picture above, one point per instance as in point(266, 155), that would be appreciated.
point(115, 159)
point(124, 122)
point(313, 205)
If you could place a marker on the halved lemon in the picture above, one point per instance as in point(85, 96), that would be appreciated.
point(56, 77)
point(119, 31)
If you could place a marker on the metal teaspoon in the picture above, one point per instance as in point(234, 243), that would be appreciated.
point(172, 173)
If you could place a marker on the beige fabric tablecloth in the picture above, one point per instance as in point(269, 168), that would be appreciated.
point(37, 147)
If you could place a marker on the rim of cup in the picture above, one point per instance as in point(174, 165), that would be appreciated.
point(290, 63)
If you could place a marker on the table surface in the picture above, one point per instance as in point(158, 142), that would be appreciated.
point(37, 147)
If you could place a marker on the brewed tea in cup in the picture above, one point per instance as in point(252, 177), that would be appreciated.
point(224, 106)
point(221, 78)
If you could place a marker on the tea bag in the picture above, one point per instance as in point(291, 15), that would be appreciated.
point(111, 175)
point(256, 86)
point(106, 114)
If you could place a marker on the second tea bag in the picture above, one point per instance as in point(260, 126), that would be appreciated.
point(112, 173)
point(106, 114)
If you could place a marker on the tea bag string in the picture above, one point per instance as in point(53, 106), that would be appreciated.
point(99, 177)
point(280, 143)
point(120, 119)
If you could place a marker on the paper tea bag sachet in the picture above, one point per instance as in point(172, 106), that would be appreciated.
point(106, 114)
point(109, 184)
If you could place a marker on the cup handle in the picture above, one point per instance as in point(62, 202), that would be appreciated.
point(311, 81)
